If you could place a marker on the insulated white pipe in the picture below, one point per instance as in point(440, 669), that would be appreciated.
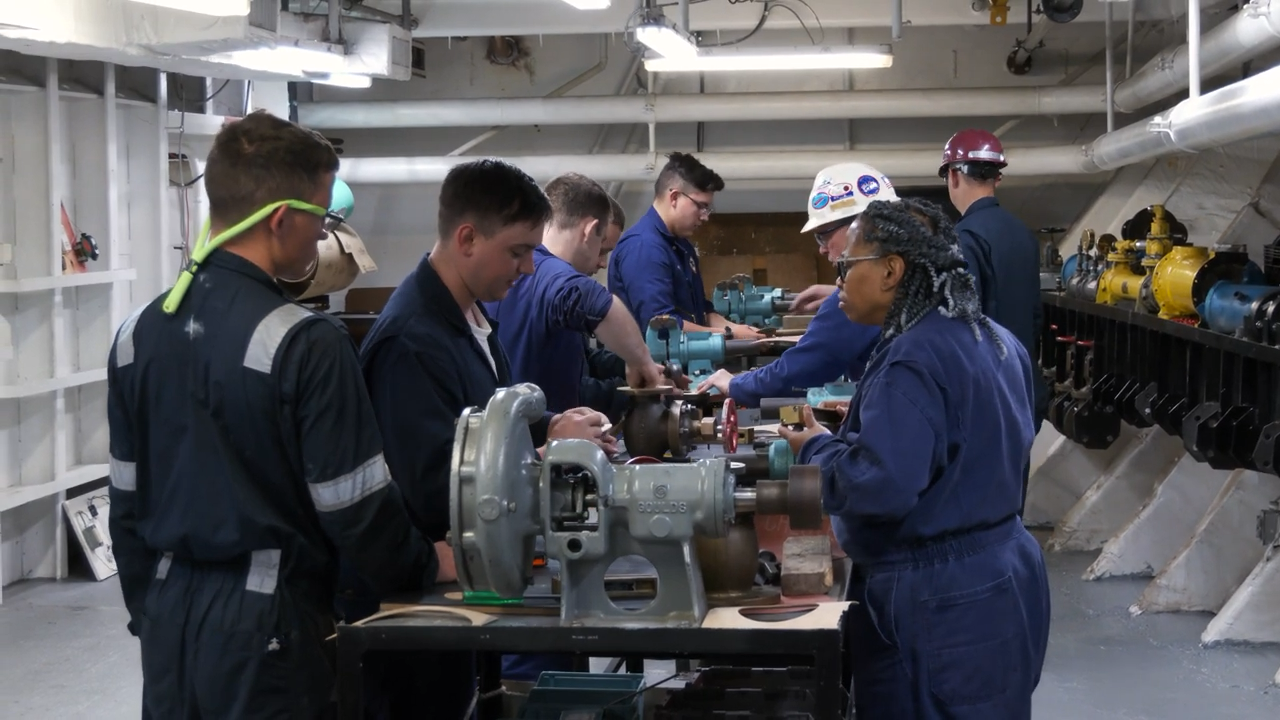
point(716, 107)
point(1242, 111)
point(1193, 47)
point(1251, 32)
point(1111, 109)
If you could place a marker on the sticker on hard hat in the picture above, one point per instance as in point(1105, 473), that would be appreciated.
point(820, 201)
point(868, 186)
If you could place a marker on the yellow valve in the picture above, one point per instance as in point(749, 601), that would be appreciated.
point(999, 12)
point(1119, 282)
point(1158, 239)
point(1173, 279)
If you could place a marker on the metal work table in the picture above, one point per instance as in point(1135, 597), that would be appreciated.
point(820, 648)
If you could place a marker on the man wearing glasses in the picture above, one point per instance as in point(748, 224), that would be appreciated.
point(654, 269)
point(833, 345)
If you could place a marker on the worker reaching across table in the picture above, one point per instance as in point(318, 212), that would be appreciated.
point(833, 345)
point(434, 352)
point(924, 477)
point(244, 452)
point(542, 319)
point(655, 268)
point(604, 372)
point(1002, 253)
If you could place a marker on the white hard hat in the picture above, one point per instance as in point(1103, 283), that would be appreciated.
point(845, 190)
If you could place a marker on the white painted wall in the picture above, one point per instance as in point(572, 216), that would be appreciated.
point(398, 222)
point(103, 161)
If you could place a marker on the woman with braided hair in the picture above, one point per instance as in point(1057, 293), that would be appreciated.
point(924, 482)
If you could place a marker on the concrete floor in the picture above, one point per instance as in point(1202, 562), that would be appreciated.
point(64, 652)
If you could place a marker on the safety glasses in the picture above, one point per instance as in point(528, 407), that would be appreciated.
point(844, 263)
point(206, 245)
point(824, 237)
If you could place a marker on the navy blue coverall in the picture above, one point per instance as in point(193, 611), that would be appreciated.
point(244, 458)
point(541, 322)
point(1004, 258)
point(603, 373)
point(655, 272)
point(833, 346)
point(924, 478)
point(424, 366)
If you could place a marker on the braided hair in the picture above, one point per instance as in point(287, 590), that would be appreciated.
point(935, 275)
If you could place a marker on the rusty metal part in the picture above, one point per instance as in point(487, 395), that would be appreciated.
point(799, 497)
point(662, 421)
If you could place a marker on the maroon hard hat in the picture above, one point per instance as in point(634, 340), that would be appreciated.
point(972, 146)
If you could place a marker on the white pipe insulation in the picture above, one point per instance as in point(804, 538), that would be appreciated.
point(1242, 111)
point(714, 107)
point(1251, 32)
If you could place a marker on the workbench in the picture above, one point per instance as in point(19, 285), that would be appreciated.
point(762, 644)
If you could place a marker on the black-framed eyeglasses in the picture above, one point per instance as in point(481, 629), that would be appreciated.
point(703, 208)
point(332, 220)
point(824, 237)
point(844, 263)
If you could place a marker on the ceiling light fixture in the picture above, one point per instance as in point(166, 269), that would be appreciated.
point(218, 8)
point(287, 59)
point(346, 80)
point(837, 57)
point(666, 40)
point(589, 4)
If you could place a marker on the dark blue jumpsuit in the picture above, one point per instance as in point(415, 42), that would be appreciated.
point(603, 374)
point(656, 273)
point(923, 483)
point(424, 366)
point(541, 323)
point(833, 346)
point(244, 458)
point(1004, 258)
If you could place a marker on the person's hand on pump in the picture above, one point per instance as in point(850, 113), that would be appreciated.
point(718, 380)
point(797, 438)
point(810, 298)
point(840, 406)
point(647, 375)
point(583, 424)
point(743, 332)
point(447, 571)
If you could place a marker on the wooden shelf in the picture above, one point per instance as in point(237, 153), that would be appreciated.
point(53, 282)
point(12, 497)
point(39, 387)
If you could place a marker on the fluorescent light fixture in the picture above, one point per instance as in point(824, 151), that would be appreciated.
point(218, 8)
point(287, 60)
point(666, 40)
point(589, 4)
point(834, 57)
point(346, 80)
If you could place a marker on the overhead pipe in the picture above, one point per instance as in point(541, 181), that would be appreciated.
point(1111, 105)
point(573, 83)
point(1250, 33)
point(715, 107)
point(1241, 111)
point(1128, 51)
point(1193, 47)
point(895, 21)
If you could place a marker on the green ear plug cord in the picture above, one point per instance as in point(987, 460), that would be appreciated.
point(205, 246)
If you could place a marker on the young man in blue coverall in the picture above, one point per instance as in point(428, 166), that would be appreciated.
point(605, 372)
point(245, 455)
point(543, 318)
point(833, 345)
point(432, 353)
point(655, 268)
point(1002, 253)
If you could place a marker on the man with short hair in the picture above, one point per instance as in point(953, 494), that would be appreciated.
point(245, 454)
point(833, 345)
point(655, 268)
point(605, 371)
point(1002, 253)
point(543, 317)
point(432, 353)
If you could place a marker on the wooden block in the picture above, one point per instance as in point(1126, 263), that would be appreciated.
point(796, 322)
point(806, 565)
